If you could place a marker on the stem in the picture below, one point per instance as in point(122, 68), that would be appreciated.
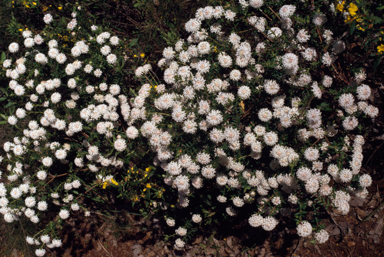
point(260, 31)
point(274, 13)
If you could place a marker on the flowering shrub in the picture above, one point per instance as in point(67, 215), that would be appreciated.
point(249, 118)
point(66, 83)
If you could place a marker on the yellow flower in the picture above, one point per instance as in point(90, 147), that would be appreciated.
point(380, 48)
point(148, 185)
point(20, 29)
point(359, 27)
point(135, 56)
point(149, 168)
point(142, 55)
point(352, 9)
point(34, 3)
point(340, 7)
point(45, 8)
point(27, 6)
point(60, 8)
point(105, 184)
point(348, 19)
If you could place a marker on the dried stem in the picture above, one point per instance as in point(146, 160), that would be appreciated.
point(260, 31)
point(274, 13)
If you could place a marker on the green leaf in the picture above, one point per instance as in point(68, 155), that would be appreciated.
point(3, 122)
point(376, 63)
point(2, 99)
point(133, 42)
point(352, 28)
point(9, 104)
point(3, 57)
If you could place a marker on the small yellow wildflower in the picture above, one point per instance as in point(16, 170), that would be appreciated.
point(114, 182)
point(34, 3)
point(359, 27)
point(352, 9)
point(134, 56)
point(340, 7)
point(144, 189)
point(148, 185)
point(142, 55)
point(149, 168)
point(60, 8)
point(27, 6)
point(105, 184)
point(45, 8)
point(380, 48)
point(348, 19)
point(20, 29)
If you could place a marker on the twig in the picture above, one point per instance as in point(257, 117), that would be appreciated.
point(298, 246)
point(334, 221)
point(22, 228)
point(266, 16)
point(319, 33)
point(86, 191)
point(274, 12)
point(104, 248)
point(318, 250)
point(53, 177)
point(260, 31)
point(106, 201)
point(370, 215)
point(315, 142)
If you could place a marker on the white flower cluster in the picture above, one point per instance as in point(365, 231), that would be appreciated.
point(201, 102)
point(50, 108)
point(215, 118)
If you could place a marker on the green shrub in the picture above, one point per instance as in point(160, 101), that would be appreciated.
point(249, 117)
